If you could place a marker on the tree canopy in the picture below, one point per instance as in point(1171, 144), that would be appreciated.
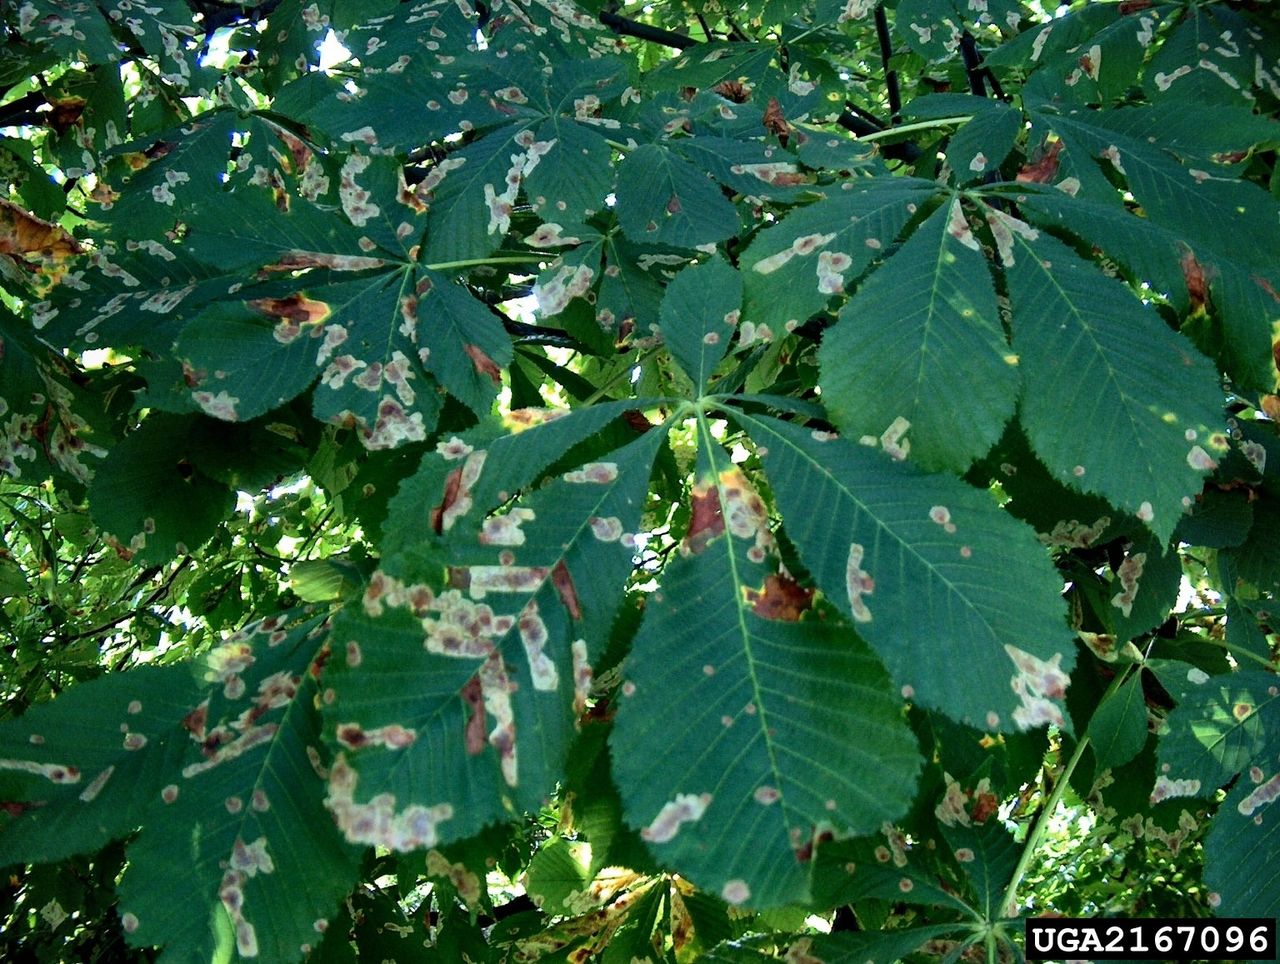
point(564, 480)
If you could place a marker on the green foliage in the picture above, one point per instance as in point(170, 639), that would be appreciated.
point(574, 481)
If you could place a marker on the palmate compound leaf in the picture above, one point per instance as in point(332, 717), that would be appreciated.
point(921, 564)
point(218, 762)
point(746, 735)
point(1113, 402)
point(461, 672)
point(921, 340)
point(1222, 726)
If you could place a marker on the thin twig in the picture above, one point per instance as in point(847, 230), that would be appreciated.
point(706, 28)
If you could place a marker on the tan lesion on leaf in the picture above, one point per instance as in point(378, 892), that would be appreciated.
point(355, 200)
point(377, 821)
point(53, 772)
point(858, 583)
point(1166, 787)
point(534, 638)
point(893, 439)
point(582, 675)
point(466, 883)
point(505, 529)
point(393, 736)
point(1129, 572)
point(599, 473)
point(745, 514)
point(1261, 795)
point(505, 579)
point(1037, 683)
point(456, 626)
point(496, 688)
point(1074, 534)
point(685, 808)
point(298, 260)
point(523, 419)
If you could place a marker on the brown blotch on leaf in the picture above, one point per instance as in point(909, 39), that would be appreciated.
point(299, 153)
point(775, 122)
point(625, 330)
point(351, 736)
point(706, 519)
point(733, 90)
point(1133, 6)
point(484, 364)
point(297, 260)
point(474, 737)
point(1197, 282)
point(636, 420)
point(1266, 286)
point(781, 598)
point(984, 807)
point(22, 234)
point(1044, 170)
point(196, 721)
point(804, 852)
point(296, 307)
point(66, 113)
point(452, 486)
point(563, 582)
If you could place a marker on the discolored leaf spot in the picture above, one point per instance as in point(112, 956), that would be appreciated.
point(563, 581)
point(25, 238)
point(483, 363)
point(1193, 272)
point(1045, 168)
point(474, 734)
point(1037, 683)
point(300, 260)
point(774, 121)
point(781, 598)
point(685, 808)
point(456, 501)
point(858, 583)
point(706, 519)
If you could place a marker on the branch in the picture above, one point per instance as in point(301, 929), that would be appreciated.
point(973, 65)
point(854, 120)
point(22, 110)
point(890, 76)
point(633, 28)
